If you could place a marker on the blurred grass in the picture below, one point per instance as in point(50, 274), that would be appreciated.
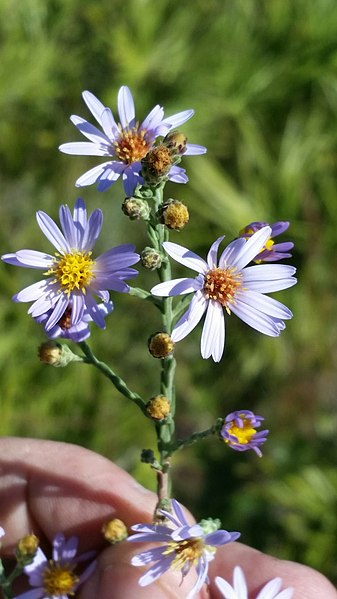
point(262, 77)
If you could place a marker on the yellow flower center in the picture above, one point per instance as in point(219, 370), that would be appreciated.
point(131, 145)
point(244, 435)
point(59, 580)
point(221, 285)
point(73, 271)
point(187, 552)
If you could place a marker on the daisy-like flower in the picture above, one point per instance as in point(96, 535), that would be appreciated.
point(239, 431)
point(182, 546)
point(73, 275)
point(64, 327)
point(272, 590)
point(271, 252)
point(57, 578)
point(125, 142)
point(227, 284)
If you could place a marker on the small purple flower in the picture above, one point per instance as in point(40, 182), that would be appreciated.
point(239, 431)
point(75, 276)
point(64, 327)
point(239, 590)
point(228, 284)
point(57, 578)
point(125, 142)
point(271, 252)
point(184, 546)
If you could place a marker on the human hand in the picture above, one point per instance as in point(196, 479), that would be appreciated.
point(48, 487)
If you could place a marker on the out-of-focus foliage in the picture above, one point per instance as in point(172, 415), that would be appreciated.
point(262, 77)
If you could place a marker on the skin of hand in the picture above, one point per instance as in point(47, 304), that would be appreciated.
point(48, 487)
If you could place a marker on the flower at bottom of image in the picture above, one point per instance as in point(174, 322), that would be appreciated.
point(239, 590)
point(184, 546)
point(57, 577)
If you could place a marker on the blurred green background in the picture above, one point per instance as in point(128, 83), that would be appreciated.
point(262, 77)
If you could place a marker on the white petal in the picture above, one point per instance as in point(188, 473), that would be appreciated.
point(268, 272)
point(126, 107)
point(270, 286)
point(95, 106)
point(52, 232)
point(34, 259)
point(177, 119)
point(175, 287)
point(194, 150)
point(271, 589)
point(230, 253)
point(265, 304)
point(153, 119)
point(252, 247)
point(190, 319)
point(256, 319)
point(58, 311)
point(90, 131)
point(226, 589)
point(239, 581)
point(185, 257)
point(33, 292)
point(109, 124)
point(213, 332)
point(92, 175)
point(212, 256)
point(202, 575)
point(83, 148)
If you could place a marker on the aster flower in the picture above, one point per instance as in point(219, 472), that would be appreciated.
point(75, 276)
point(183, 546)
point(125, 142)
point(271, 252)
point(239, 431)
point(272, 590)
point(57, 578)
point(64, 327)
point(227, 283)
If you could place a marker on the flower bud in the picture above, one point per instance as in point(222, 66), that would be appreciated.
point(158, 407)
point(160, 345)
point(150, 258)
point(156, 164)
point(114, 531)
point(56, 354)
point(136, 209)
point(175, 142)
point(173, 214)
point(26, 548)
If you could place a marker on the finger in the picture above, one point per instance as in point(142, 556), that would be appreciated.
point(49, 487)
point(260, 568)
point(115, 578)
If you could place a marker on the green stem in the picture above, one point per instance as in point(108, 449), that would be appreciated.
point(158, 234)
point(116, 380)
point(180, 443)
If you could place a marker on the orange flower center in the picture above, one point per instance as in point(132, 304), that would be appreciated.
point(131, 145)
point(221, 285)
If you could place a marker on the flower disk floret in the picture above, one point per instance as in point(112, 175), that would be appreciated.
point(228, 283)
point(182, 547)
point(239, 590)
point(58, 577)
point(74, 275)
point(126, 142)
point(239, 431)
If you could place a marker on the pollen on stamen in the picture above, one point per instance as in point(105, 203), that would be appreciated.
point(59, 580)
point(131, 145)
point(221, 285)
point(187, 552)
point(73, 271)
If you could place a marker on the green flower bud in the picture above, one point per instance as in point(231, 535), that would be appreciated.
point(57, 355)
point(150, 258)
point(136, 209)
